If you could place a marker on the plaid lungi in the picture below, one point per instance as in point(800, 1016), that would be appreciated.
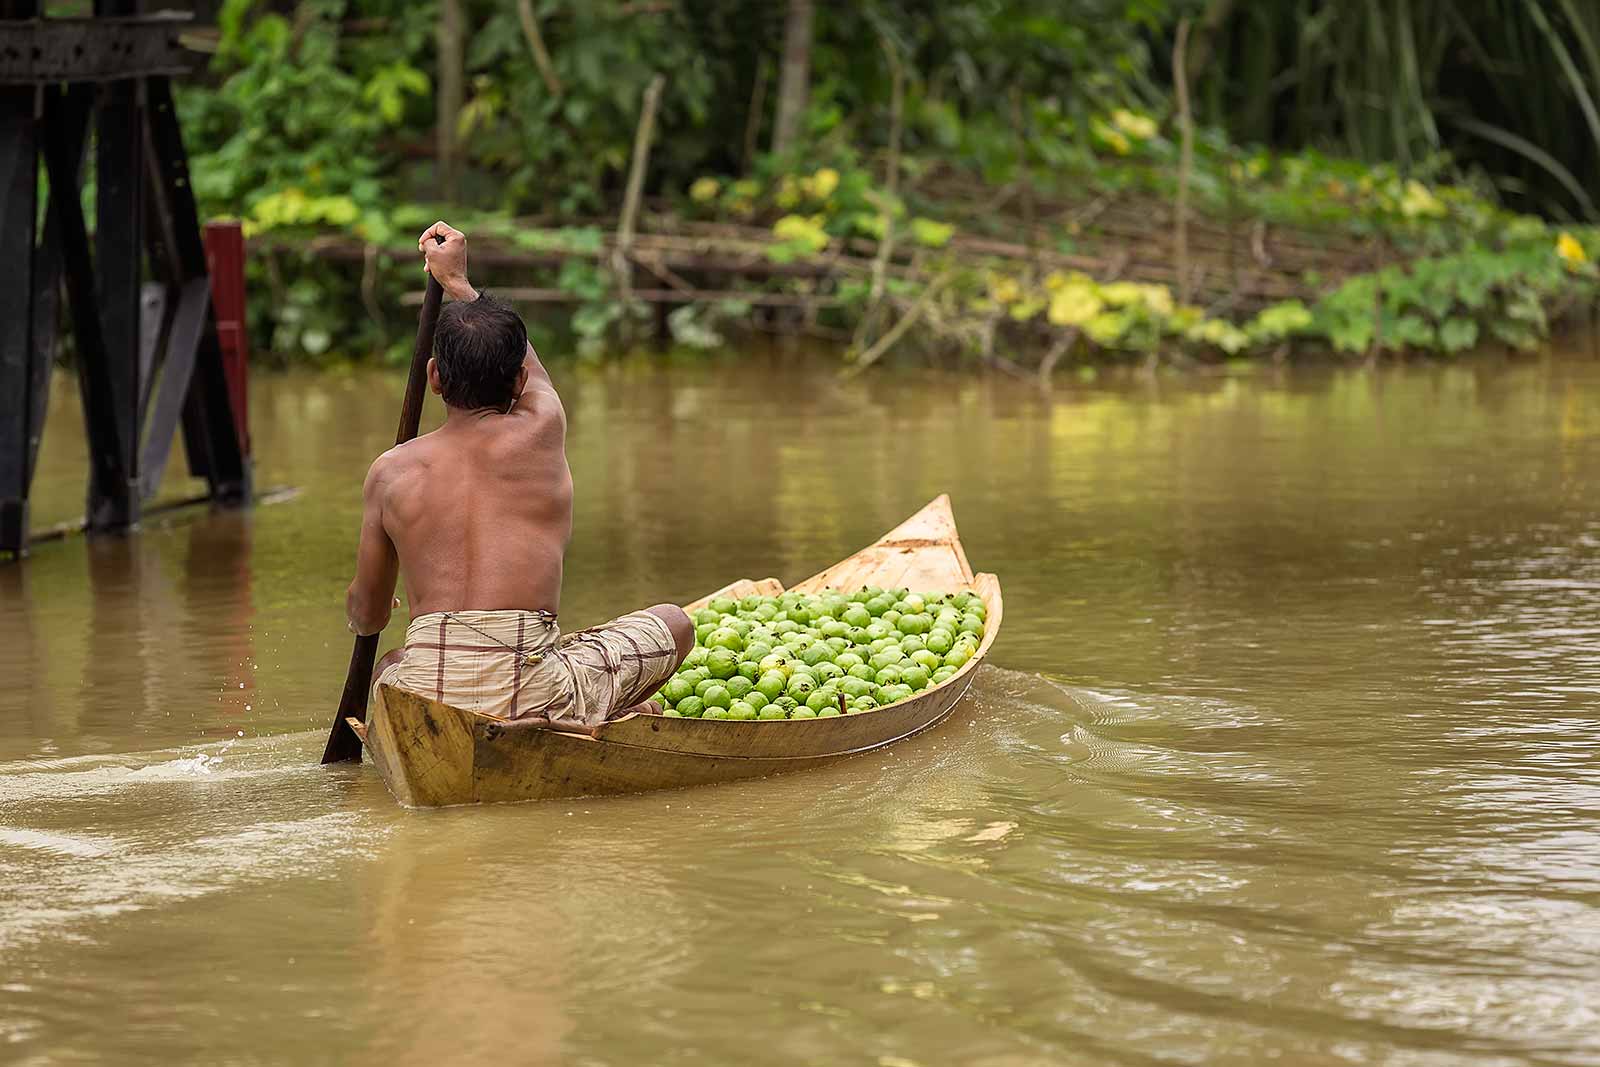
point(510, 664)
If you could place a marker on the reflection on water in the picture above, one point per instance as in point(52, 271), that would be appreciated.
point(1289, 747)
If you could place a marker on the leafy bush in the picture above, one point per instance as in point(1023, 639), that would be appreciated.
point(323, 124)
point(290, 137)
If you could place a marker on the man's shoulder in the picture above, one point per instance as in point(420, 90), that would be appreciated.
point(401, 455)
point(398, 460)
point(538, 410)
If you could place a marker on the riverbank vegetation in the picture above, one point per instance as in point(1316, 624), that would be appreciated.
point(1013, 184)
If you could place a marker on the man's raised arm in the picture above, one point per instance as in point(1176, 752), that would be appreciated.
point(538, 380)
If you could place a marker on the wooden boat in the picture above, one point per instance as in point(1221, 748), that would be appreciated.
point(432, 754)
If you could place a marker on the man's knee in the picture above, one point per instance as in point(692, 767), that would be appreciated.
point(678, 624)
point(389, 659)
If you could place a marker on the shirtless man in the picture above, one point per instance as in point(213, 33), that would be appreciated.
point(477, 516)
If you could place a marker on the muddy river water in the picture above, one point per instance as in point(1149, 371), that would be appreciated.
point(1289, 749)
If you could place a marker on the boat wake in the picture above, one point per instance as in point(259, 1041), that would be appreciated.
point(80, 777)
point(168, 825)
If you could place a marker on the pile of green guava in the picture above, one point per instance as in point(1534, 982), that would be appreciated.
point(795, 656)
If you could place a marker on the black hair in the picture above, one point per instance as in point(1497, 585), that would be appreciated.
point(479, 346)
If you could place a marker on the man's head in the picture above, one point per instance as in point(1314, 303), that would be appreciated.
point(478, 351)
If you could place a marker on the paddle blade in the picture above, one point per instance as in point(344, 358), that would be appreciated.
point(343, 744)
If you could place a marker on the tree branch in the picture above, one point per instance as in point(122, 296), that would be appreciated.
point(541, 55)
point(620, 263)
point(891, 184)
point(908, 320)
point(450, 95)
point(794, 81)
point(1180, 81)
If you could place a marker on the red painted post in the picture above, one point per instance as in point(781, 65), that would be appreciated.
point(225, 262)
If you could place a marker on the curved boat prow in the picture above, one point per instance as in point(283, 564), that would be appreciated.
point(924, 552)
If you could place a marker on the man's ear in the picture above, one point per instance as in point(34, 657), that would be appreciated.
point(433, 377)
point(522, 382)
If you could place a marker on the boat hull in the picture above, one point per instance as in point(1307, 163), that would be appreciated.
point(506, 761)
point(432, 754)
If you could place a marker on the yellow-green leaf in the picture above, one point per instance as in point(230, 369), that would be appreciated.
point(1107, 328)
point(1571, 250)
point(1074, 305)
point(1139, 127)
point(803, 230)
point(1026, 308)
point(931, 234)
point(821, 185)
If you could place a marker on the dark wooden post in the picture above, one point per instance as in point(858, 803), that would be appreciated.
point(225, 252)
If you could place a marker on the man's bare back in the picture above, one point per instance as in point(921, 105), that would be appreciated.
point(480, 510)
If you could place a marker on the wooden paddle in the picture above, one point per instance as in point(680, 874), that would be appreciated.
point(343, 744)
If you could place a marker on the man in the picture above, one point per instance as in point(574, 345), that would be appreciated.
point(477, 515)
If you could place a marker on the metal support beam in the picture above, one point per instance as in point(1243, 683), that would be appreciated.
point(177, 382)
point(119, 243)
point(153, 326)
point(19, 182)
point(45, 325)
point(53, 51)
point(177, 237)
point(113, 494)
point(209, 435)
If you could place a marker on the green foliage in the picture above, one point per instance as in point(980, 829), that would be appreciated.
point(311, 126)
point(565, 152)
point(305, 309)
point(1508, 87)
point(931, 234)
point(1438, 305)
point(1448, 303)
point(289, 138)
point(307, 104)
point(389, 87)
point(700, 326)
point(797, 236)
point(1279, 323)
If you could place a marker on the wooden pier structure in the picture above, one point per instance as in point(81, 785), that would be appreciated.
point(157, 339)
